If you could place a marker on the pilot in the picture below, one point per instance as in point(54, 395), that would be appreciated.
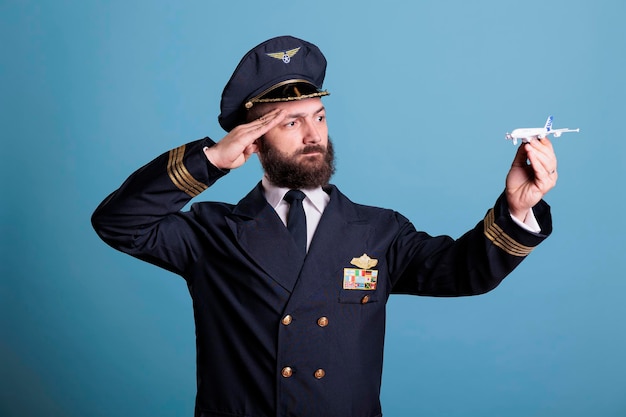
point(289, 286)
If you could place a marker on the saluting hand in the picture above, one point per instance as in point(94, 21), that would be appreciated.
point(532, 175)
point(236, 147)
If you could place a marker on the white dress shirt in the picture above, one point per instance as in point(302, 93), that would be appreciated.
point(314, 204)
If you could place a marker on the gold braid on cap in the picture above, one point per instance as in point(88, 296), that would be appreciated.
point(250, 103)
point(299, 96)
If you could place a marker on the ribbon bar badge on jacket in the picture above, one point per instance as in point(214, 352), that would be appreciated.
point(362, 277)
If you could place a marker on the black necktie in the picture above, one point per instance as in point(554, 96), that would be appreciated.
point(296, 220)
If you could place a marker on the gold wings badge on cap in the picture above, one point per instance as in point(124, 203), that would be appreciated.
point(284, 55)
point(364, 262)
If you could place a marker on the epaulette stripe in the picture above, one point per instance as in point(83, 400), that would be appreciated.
point(179, 175)
point(498, 237)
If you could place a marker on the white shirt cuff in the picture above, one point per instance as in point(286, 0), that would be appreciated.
point(530, 224)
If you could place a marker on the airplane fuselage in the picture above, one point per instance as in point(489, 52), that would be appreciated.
point(526, 134)
point(529, 133)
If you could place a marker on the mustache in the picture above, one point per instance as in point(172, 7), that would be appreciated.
point(312, 148)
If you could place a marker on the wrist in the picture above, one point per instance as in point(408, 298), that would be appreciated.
point(520, 215)
point(210, 155)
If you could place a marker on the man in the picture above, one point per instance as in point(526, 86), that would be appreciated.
point(289, 289)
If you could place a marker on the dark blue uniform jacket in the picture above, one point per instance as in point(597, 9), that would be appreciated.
point(277, 333)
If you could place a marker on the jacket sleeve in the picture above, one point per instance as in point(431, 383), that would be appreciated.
point(473, 264)
point(143, 217)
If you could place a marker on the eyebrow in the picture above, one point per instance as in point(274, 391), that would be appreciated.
point(296, 115)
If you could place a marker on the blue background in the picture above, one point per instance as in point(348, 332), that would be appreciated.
point(422, 94)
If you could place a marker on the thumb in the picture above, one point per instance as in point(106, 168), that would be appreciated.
point(521, 157)
point(250, 149)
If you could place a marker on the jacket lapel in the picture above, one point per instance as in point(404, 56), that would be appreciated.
point(264, 238)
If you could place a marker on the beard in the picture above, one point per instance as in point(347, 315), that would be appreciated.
point(295, 171)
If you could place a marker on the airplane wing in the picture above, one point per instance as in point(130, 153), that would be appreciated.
point(558, 132)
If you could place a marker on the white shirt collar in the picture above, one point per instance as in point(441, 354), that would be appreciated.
point(274, 195)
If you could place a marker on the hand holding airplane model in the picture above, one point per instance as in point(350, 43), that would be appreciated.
point(530, 133)
point(533, 173)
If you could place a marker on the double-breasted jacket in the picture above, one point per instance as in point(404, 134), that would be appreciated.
point(279, 333)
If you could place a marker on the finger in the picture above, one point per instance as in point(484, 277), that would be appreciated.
point(542, 155)
point(538, 164)
point(269, 114)
point(264, 119)
point(246, 134)
point(268, 121)
point(544, 170)
point(520, 157)
point(545, 142)
point(544, 146)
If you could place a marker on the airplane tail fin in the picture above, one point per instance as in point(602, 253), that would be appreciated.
point(548, 125)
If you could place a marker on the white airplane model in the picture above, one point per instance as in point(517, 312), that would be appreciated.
point(529, 133)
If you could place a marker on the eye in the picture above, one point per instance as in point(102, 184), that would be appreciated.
point(321, 117)
point(290, 124)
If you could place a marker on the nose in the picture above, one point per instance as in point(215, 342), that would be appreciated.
point(311, 132)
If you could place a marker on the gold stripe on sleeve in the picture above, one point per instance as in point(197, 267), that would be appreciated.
point(495, 234)
point(180, 176)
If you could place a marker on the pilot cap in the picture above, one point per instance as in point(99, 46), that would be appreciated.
point(280, 69)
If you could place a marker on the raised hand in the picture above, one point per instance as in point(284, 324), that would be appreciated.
point(236, 147)
point(532, 174)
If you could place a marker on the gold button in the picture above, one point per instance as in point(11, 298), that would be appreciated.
point(286, 372)
point(322, 321)
point(319, 374)
point(365, 299)
point(287, 320)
